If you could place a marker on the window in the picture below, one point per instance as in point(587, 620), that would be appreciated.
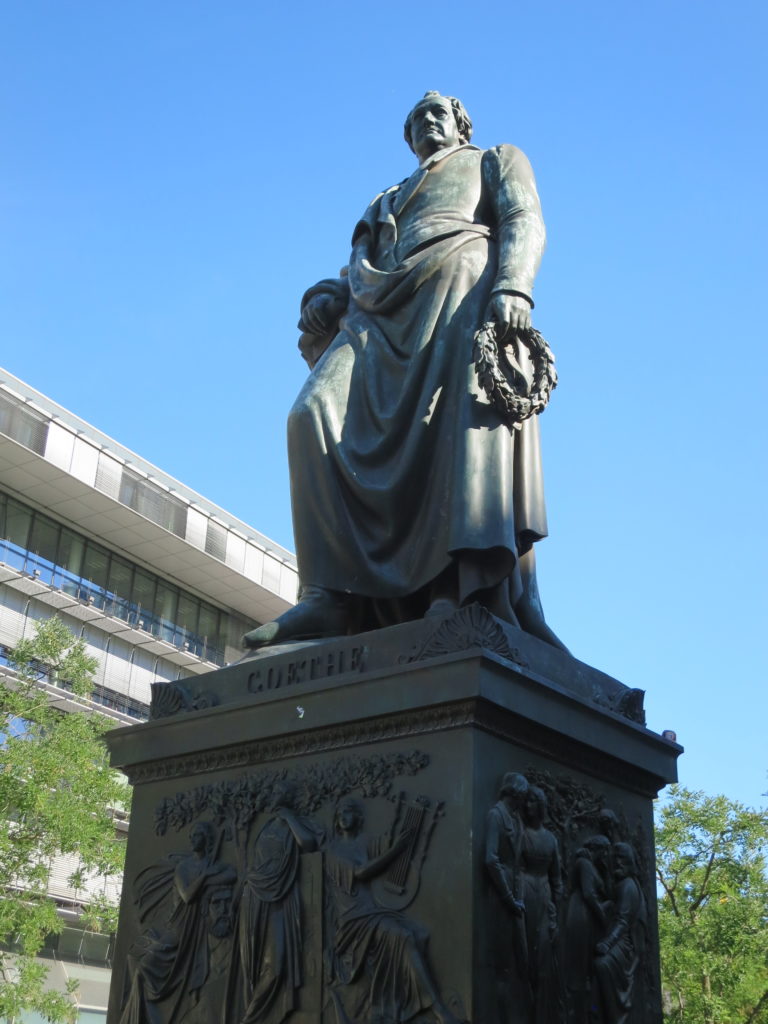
point(153, 502)
point(68, 573)
point(166, 601)
point(44, 543)
point(95, 566)
point(23, 424)
point(18, 522)
point(216, 541)
point(143, 597)
point(120, 584)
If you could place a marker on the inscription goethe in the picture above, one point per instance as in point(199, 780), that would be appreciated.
point(308, 668)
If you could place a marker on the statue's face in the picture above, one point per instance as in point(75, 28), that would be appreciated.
point(533, 809)
point(347, 817)
point(600, 855)
point(433, 126)
point(220, 913)
point(622, 863)
point(283, 795)
point(198, 839)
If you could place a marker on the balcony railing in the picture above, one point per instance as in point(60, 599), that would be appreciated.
point(95, 596)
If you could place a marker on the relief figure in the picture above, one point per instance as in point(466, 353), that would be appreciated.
point(503, 842)
point(266, 967)
point(588, 913)
point(541, 892)
point(168, 964)
point(621, 950)
point(376, 961)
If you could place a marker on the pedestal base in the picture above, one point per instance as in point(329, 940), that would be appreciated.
point(317, 835)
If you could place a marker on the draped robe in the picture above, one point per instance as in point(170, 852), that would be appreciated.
point(399, 464)
point(266, 964)
point(376, 956)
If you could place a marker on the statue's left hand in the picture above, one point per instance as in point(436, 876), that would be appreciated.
point(511, 312)
point(319, 313)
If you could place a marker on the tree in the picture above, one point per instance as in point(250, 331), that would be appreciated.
point(713, 909)
point(57, 796)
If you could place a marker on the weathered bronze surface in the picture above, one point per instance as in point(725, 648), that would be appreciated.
point(411, 490)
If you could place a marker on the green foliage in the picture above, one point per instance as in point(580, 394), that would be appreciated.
point(57, 793)
point(713, 909)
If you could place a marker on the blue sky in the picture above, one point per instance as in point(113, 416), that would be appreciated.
point(173, 176)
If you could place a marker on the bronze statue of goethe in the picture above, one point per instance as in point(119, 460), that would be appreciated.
point(410, 495)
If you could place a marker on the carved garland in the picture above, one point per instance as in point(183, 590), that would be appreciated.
point(238, 801)
point(504, 383)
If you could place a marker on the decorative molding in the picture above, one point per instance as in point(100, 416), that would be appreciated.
point(570, 752)
point(628, 703)
point(475, 713)
point(351, 734)
point(468, 629)
point(170, 698)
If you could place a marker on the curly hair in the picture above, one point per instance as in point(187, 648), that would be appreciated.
point(460, 116)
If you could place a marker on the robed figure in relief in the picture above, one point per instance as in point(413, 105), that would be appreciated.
point(168, 964)
point(266, 965)
point(377, 967)
point(620, 953)
point(409, 492)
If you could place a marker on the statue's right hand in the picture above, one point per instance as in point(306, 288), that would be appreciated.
point(319, 313)
point(516, 906)
point(511, 312)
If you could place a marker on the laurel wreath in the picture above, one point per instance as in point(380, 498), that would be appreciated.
point(508, 390)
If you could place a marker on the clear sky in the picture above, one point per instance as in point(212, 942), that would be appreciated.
point(173, 175)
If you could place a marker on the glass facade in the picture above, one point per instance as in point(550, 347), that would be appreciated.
point(144, 497)
point(34, 543)
point(23, 424)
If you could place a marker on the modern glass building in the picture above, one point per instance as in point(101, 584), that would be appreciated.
point(159, 581)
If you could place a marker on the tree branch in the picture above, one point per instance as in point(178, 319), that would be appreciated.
point(669, 891)
point(707, 872)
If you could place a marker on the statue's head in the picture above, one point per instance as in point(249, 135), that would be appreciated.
point(436, 122)
point(535, 805)
point(349, 815)
point(217, 908)
point(599, 847)
point(284, 794)
point(608, 822)
point(514, 786)
point(624, 860)
point(202, 837)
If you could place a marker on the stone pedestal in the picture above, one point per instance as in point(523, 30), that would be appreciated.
point(290, 904)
